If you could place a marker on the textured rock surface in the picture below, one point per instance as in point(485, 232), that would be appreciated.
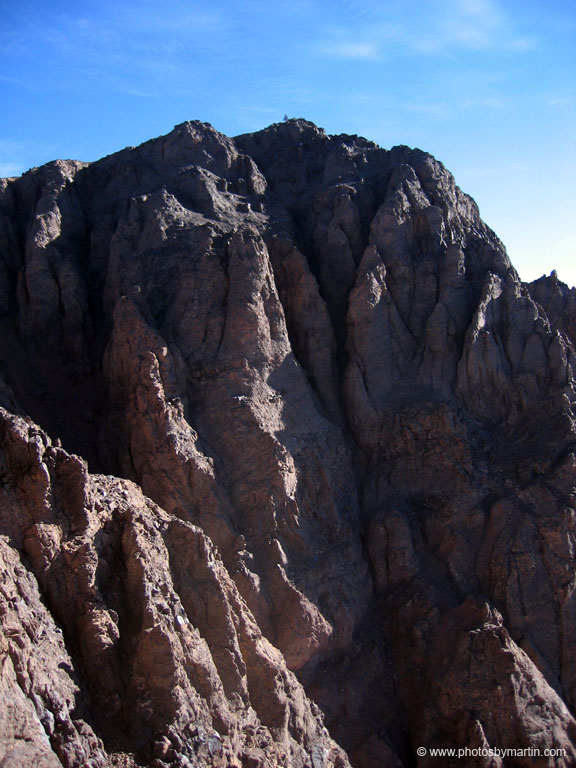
point(288, 463)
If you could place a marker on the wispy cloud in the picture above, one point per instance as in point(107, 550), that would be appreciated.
point(11, 154)
point(559, 101)
point(480, 25)
point(120, 48)
point(10, 169)
point(347, 49)
point(439, 27)
point(16, 157)
point(19, 82)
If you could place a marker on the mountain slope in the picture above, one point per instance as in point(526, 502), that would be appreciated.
point(330, 468)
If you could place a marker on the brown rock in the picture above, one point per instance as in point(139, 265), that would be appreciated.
point(313, 425)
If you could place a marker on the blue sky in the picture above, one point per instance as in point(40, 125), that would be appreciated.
point(487, 86)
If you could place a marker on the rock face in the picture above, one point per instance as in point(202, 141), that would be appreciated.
point(288, 464)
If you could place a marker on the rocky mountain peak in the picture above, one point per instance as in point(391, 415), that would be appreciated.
point(288, 463)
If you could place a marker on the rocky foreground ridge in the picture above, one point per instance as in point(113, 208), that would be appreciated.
point(288, 464)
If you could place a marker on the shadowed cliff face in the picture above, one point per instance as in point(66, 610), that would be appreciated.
point(288, 464)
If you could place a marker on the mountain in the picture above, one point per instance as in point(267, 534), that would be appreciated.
point(288, 463)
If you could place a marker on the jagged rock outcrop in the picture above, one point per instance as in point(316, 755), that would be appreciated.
point(288, 463)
